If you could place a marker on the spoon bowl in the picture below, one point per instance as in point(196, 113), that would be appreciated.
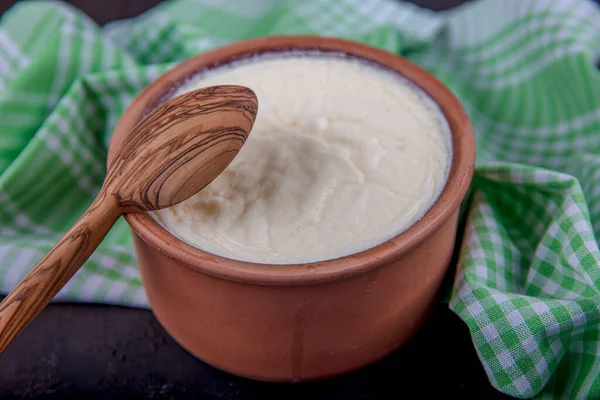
point(180, 147)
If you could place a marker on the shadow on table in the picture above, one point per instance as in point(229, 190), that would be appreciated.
point(96, 352)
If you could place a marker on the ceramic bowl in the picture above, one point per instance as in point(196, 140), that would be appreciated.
point(304, 321)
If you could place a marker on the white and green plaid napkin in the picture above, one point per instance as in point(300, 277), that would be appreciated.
point(528, 277)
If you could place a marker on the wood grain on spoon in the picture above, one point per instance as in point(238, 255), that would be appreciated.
point(174, 152)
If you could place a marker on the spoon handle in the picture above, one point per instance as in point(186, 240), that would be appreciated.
point(51, 273)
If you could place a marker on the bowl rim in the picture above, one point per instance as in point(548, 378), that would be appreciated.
point(447, 203)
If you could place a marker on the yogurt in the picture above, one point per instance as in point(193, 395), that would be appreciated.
point(343, 156)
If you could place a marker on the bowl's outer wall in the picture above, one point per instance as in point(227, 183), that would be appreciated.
point(288, 333)
point(283, 323)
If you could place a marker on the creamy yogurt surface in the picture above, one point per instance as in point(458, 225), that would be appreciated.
point(343, 156)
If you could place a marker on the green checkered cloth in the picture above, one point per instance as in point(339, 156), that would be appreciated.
point(528, 278)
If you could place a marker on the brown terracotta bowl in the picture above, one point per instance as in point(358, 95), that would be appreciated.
point(305, 321)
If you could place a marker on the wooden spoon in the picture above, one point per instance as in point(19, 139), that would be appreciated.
point(175, 151)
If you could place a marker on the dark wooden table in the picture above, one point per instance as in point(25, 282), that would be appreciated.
point(100, 352)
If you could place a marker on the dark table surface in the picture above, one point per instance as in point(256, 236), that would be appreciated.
point(96, 351)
